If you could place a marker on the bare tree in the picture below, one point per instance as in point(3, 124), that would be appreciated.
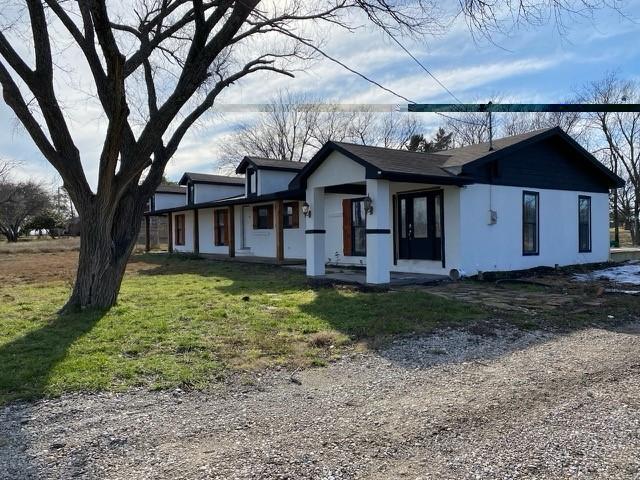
point(618, 135)
point(295, 126)
point(157, 66)
point(21, 203)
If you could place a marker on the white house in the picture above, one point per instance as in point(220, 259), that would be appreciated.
point(537, 199)
point(254, 216)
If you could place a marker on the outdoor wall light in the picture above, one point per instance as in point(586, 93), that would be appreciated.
point(306, 210)
point(368, 205)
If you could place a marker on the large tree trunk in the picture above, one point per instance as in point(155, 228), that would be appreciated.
point(107, 239)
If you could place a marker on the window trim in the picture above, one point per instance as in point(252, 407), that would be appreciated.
point(269, 225)
point(526, 253)
point(355, 253)
point(181, 226)
point(295, 215)
point(219, 237)
point(590, 238)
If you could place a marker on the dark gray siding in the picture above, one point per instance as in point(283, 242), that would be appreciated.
point(550, 164)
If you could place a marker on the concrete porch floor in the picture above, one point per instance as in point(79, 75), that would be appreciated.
point(356, 276)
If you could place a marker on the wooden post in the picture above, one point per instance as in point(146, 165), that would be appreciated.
point(279, 224)
point(170, 227)
point(147, 233)
point(232, 232)
point(196, 232)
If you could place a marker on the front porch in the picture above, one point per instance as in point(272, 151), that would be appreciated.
point(358, 276)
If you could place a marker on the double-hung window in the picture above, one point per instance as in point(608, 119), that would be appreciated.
point(220, 225)
point(530, 223)
point(584, 223)
point(180, 229)
point(290, 215)
point(263, 217)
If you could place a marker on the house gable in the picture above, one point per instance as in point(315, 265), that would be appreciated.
point(550, 162)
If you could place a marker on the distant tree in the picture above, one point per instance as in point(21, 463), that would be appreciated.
point(295, 126)
point(441, 141)
point(50, 220)
point(618, 137)
point(416, 143)
point(21, 203)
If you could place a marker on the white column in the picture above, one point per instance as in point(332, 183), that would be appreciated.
point(315, 232)
point(379, 239)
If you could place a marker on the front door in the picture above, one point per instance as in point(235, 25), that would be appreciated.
point(420, 222)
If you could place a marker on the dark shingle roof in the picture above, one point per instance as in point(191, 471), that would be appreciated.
point(401, 161)
point(269, 164)
point(171, 189)
point(208, 178)
point(457, 157)
point(446, 167)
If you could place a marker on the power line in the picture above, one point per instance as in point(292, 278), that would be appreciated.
point(422, 65)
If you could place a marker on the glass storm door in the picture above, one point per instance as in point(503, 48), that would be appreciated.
point(420, 226)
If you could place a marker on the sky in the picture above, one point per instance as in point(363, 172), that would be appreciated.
point(531, 65)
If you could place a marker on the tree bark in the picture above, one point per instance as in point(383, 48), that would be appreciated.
point(107, 238)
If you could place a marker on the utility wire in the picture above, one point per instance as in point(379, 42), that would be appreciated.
point(422, 65)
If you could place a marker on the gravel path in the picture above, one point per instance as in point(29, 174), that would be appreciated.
point(452, 405)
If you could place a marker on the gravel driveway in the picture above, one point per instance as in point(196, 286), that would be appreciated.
point(451, 405)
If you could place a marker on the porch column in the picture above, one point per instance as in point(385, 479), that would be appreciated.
point(232, 231)
point(379, 239)
point(315, 232)
point(196, 232)
point(170, 231)
point(279, 226)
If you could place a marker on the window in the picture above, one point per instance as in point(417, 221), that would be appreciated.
point(584, 223)
point(179, 229)
point(290, 215)
point(263, 217)
point(220, 230)
point(251, 182)
point(530, 218)
point(190, 193)
point(358, 228)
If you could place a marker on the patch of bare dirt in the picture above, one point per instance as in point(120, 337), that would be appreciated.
point(50, 267)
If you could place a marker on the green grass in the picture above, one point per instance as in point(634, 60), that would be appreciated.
point(187, 322)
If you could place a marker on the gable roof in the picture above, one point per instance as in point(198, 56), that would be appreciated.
point(445, 167)
point(263, 163)
point(170, 188)
point(211, 179)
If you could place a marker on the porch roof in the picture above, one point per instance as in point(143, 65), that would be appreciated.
point(387, 163)
point(239, 200)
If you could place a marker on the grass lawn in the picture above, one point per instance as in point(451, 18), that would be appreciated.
point(187, 322)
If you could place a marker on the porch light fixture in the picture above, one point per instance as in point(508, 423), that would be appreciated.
point(306, 210)
point(368, 205)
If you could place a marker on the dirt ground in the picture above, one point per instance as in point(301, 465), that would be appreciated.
point(507, 404)
point(38, 267)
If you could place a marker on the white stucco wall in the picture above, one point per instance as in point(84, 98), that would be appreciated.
point(451, 229)
point(259, 243)
point(270, 181)
point(205, 192)
point(334, 245)
point(207, 239)
point(188, 234)
point(169, 200)
point(294, 239)
point(498, 247)
point(337, 169)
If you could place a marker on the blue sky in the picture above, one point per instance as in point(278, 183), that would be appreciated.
point(530, 65)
